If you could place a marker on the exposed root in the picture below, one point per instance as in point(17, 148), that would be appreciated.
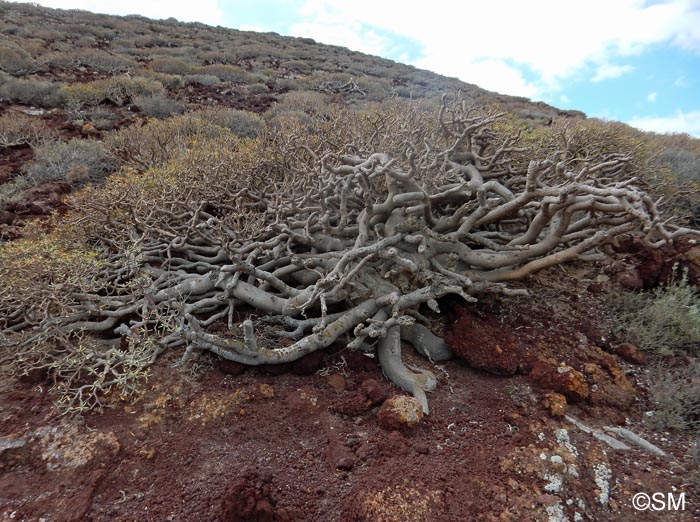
point(416, 383)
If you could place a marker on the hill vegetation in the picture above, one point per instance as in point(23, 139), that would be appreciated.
point(186, 212)
point(171, 135)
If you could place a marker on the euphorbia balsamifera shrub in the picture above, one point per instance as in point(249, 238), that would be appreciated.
point(350, 234)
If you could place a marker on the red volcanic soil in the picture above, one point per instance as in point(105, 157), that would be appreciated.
point(217, 441)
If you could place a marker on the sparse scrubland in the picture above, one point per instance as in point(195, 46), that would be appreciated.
point(180, 196)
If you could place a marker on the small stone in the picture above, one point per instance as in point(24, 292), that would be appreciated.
point(595, 288)
point(561, 379)
point(337, 382)
point(556, 404)
point(276, 369)
point(148, 454)
point(345, 463)
point(12, 451)
point(513, 418)
point(89, 129)
point(400, 412)
point(6, 218)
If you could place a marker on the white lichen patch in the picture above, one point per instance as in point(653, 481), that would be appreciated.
point(555, 482)
point(602, 475)
point(555, 512)
point(562, 437)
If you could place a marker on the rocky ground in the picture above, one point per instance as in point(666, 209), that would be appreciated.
point(517, 431)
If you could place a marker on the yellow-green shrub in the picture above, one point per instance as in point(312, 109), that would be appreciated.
point(118, 90)
point(154, 143)
point(42, 272)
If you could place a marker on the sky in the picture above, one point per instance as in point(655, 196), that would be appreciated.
point(636, 61)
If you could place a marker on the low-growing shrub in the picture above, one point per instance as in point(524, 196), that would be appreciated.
point(102, 61)
point(31, 92)
point(11, 190)
point(20, 129)
point(308, 102)
point(242, 123)
point(675, 393)
point(169, 81)
point(151, 41)
point(226, 73)
point(143, 146)
point(123, 89)
point(101, 118)
point(171, 66)
point(259, 76)
point(79, 95)
point(664, 321)
point(299, 66)
point(287, 84)
point(35, 272)
point(92, 59)
point(158, 105)
point(15, 60)
point(75, 161)
point(684, 164)
point(118, 90)
point(217, 57)
point(257, 88)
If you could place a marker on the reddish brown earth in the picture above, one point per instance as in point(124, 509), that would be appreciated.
point(219, 96)
point(216, 441)
point(12, 159)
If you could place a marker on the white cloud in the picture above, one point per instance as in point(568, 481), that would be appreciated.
point(205, 11)
point(610, 71)
point(352, 35)
point(564, 99)
point(681, 82)
point(551, 39)
point(652, 96)
point(493, 75)
point(688, 122)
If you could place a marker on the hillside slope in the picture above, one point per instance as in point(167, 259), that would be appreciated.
point(232, 264)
